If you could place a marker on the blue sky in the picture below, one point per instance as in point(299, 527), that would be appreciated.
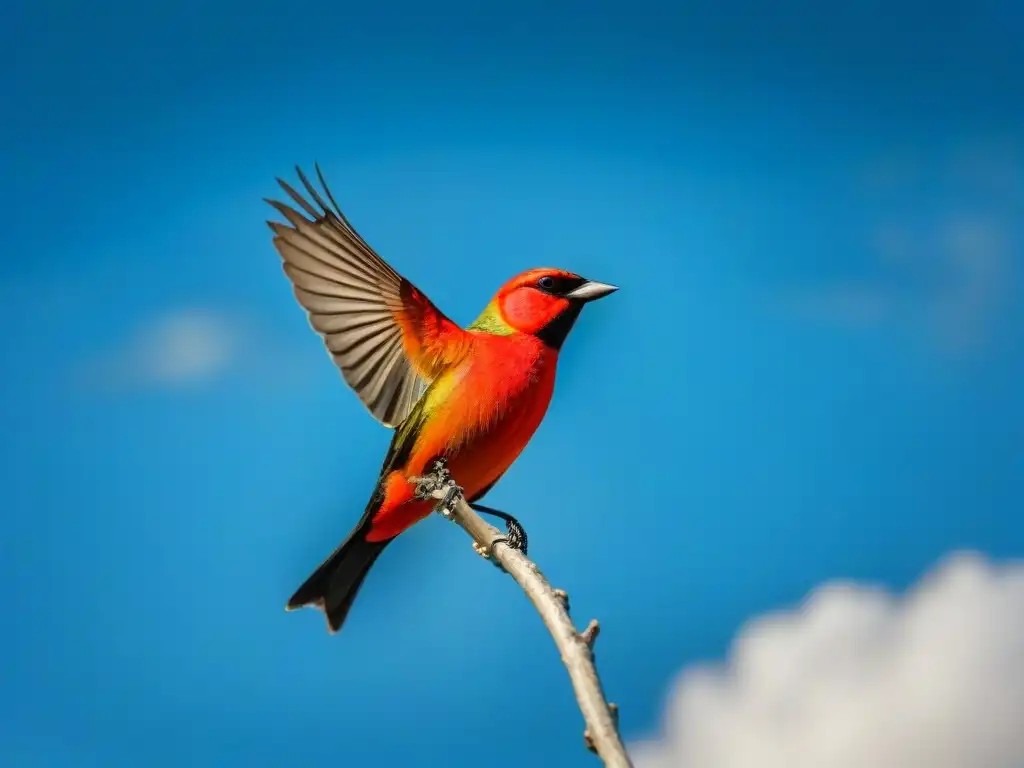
point(812, 370)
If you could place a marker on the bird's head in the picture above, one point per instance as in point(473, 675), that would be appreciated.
point(543, 302)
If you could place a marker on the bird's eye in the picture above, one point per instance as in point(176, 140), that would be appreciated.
point(547, 282)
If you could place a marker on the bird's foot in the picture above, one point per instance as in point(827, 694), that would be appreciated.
point(439, 485)
point(515, 534)
point(440, 480)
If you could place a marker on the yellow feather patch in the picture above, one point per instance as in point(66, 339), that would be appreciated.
point(491, 321)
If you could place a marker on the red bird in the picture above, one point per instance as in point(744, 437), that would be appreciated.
point(472, 396)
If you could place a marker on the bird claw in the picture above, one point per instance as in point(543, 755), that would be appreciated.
point(438, 479)
point(515, 534)
point(447, 504)
point(441, 472)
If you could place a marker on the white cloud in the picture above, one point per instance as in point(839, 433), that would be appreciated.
point(174, 349)
point(861, 678)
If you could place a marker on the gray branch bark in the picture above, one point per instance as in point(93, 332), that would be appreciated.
point(576, 648)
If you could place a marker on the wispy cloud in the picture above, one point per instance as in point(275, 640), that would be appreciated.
point(978, 275)
point(192, 347)
point(949, 287)
point(860, 677)
point(944, 272)
point(178, 348)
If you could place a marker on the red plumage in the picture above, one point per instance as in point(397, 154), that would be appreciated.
point(473, 396)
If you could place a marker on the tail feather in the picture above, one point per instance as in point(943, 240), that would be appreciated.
point(334, 585)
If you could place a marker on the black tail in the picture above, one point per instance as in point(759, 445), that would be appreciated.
point(334, 585)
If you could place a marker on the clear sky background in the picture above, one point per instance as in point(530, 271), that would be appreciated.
point(812, 371)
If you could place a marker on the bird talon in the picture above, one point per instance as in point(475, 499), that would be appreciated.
point(515, 534)
point(440, 471)
point(438, 479)
point(447, 504)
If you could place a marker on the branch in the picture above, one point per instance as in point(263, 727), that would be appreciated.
point(577, 648)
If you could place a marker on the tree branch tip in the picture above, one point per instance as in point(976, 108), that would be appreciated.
point(601, 717)
point(589, 635)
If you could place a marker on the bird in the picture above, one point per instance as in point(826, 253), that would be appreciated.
point(471, 396)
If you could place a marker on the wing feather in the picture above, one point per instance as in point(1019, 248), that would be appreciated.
point(387, 338)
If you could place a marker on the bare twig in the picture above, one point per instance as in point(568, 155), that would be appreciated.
point(589, 635)
point(576, 648)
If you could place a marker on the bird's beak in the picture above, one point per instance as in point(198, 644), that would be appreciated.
point(591, 290)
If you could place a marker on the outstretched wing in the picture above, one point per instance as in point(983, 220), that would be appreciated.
point(388, 338)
